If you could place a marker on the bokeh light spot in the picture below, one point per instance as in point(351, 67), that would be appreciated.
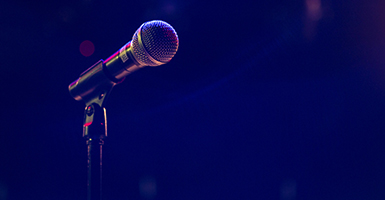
point(3, 191)
point(288, 190)
point(87, 48)
point(147, 187)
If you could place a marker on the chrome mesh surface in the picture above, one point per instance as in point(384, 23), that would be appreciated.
point(154, 43)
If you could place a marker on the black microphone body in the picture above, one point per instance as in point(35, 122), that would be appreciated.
point(153, 44)
point(104, 74)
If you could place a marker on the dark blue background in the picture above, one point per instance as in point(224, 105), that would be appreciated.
point(264, 100)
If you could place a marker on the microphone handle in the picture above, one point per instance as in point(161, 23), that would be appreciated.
point(103, 75)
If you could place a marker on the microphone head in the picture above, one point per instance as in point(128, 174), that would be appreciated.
point(154, 43)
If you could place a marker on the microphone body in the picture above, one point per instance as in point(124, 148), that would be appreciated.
point(153, 44)
point(104, 74)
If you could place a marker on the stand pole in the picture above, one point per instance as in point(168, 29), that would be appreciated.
point(94, 182)
point(94, 131)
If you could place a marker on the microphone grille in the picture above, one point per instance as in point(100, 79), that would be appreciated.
point(155, 43)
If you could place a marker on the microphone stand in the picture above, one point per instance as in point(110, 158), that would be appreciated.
point(95, 131)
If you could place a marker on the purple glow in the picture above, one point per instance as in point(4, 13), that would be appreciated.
point(87, 48)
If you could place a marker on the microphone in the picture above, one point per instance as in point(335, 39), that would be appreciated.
point(154, 43)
